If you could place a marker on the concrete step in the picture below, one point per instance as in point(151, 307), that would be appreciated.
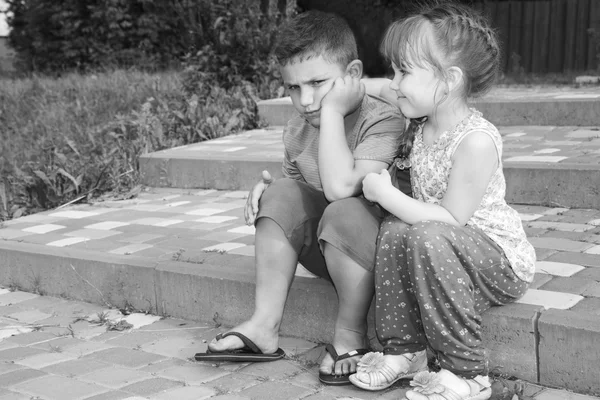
point(543, 165)
point(504, 106)
point(188, 254)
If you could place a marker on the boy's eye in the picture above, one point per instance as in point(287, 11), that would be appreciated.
point(317, 83)
point(292, 88)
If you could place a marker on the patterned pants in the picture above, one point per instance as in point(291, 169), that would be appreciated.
point(432, 282)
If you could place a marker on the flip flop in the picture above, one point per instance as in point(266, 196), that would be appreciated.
point(249, 353)
point(339, 380)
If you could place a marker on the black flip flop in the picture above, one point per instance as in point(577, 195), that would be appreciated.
point(339, 380)
point(249, 353)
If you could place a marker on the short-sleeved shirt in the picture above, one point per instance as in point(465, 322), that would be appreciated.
point(375, 136)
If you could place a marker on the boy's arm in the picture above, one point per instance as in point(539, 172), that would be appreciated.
point(341, 174)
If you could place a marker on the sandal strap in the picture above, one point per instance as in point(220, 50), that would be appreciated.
point(386, 372)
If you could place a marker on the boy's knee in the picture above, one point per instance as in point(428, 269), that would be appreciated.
point(350, 215)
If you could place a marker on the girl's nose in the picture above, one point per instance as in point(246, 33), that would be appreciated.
point(395, 83)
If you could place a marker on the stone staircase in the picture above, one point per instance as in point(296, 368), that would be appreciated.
point(181, 248)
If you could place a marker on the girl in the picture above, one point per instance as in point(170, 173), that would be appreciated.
point(456, 248)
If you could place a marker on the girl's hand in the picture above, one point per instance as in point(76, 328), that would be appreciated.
point(345, 96)
point(374, 185)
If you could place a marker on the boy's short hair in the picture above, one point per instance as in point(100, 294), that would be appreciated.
point(316, 33)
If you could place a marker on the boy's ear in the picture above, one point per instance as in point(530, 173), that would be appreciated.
point(355, 69)
point(455, 78)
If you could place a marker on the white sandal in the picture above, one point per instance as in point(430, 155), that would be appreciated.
point(372, 372)
point(429, 384)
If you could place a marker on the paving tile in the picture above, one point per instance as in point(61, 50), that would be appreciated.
point(549, 299)
point(30, 316)
point(559, 244)
point(40, 361)
point(74, 214)
point(59, 387)
point(131, 249)
point(151, 387)
point(125, 357)
point(556, 394)
point(530, 217)
point(45, 228)
point(31, 338)
point(224, 247)
point(543, 254)
point(9, 395)
point(593, 250)
point(275, 390)
point(205, 211)
point(15, 297)
point(75, 367)
point(19, 353)
point(142, 238)
point(67, 242)
point(176, 347)
point(557, 269)
point(157, 367)
point(134, 339)
point(561, 226)
point(193, 374)
point(106, 225)
point(587, 260)
point(10, 234)
point(248, 230)
point(593, 290)
point(93, 233)
point(185, 393)
point(273, 370)
point(589, 305)
point(22, 375)
point(115, 377)
point(539, 279)
point(233, 383)
point(9, 366)
point(112, 395)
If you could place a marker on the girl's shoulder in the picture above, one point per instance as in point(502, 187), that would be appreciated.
point(478, 122)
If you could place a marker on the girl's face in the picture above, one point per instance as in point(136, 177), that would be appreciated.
point(417, 89)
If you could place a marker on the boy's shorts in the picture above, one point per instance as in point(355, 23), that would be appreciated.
point(308, 220)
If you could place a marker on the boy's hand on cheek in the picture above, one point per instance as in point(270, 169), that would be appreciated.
point(374, 185)
point(345, 96)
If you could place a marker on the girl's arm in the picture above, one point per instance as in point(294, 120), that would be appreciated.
point(474, 163)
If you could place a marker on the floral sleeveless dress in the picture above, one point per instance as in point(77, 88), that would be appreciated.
point(431, 165)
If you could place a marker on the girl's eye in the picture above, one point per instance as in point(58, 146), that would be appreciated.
point(292, 88)
point(317, 83)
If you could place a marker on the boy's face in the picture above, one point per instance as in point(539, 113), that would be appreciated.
point(308, 81)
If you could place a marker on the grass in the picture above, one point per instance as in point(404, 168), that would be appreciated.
point(38, 112)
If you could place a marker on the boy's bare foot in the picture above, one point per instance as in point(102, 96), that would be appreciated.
point(266, 340)
point(344, 341)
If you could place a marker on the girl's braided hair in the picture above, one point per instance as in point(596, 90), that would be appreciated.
point(441, 35)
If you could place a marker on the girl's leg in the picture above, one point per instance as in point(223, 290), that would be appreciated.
point(457, 273)
point(397, 317)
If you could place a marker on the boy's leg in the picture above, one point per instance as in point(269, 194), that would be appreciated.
point(348, 234)
point(288, 218)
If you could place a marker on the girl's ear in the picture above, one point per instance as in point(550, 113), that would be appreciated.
point(454, 78)
point(355, 69)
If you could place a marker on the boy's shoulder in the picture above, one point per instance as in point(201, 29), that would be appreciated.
point(375, 107)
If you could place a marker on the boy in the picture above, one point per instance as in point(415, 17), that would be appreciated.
point(329, 147)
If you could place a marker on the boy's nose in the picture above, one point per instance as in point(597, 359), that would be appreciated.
point(306, 97)
point(394, 84)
